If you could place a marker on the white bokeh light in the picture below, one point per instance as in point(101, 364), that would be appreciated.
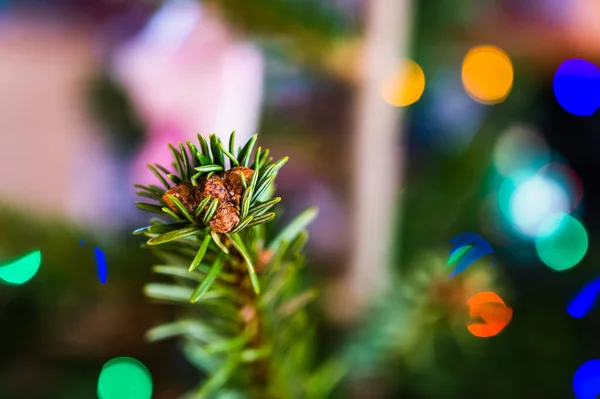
point(535, 200)
point(520, 148)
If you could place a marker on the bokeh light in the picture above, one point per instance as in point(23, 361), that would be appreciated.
point(527, 199)
point(520, 148)
point(100, 264)
point(493, 312)
point(533, 201)
point(124, 378)
point(405, 85)
point(487, 74)
point(456, 254)
point(586, 382)
point(568, 180)
point(467, 248)
point(21, 270)
point(577, 87)
point(562, 242)
point(584, 300)
point(451, 119)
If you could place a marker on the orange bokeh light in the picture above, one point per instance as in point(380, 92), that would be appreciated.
point(487, 74)
point(404, 86)
point(491, 309)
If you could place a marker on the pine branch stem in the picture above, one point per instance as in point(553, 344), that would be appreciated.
point(252, 321)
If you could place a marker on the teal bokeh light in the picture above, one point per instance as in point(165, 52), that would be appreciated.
point(562, 242)
point(124, 378)
point(20, 270)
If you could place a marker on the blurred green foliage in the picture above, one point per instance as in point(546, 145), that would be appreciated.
point(110, 104)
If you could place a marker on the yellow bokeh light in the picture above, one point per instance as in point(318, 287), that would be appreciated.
point(487, 74)
point(405, 85)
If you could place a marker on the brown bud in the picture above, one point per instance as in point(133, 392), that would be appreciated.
point(225, 219)
point(233, 181)
point(185, 193)
point(215, 187)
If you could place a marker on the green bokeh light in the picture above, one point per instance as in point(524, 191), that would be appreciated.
point(562, 242)
point(21, 270)
point(124, 378)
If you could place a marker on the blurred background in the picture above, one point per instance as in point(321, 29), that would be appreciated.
point(408, 123)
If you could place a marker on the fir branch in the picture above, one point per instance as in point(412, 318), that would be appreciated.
point(243, 311)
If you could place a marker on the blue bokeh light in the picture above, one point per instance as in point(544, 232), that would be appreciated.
point(479, 249)
point(586, 383)
point(584, 300)
point(101, 264)
point(577, 87)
